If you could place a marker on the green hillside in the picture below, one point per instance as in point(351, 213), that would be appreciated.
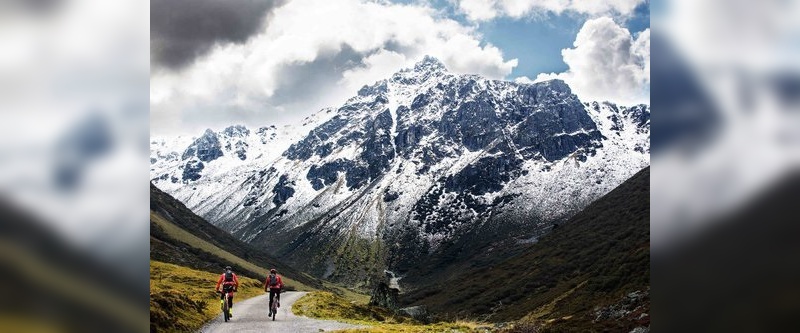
point(592, 273)
point(182, 299)
point(188, 254)
point(180, 237)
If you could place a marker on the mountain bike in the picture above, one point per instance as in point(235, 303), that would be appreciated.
point(275, 305)
point(226, 311)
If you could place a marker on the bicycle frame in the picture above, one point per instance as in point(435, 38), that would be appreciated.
point(224, 304)
point(274, 308)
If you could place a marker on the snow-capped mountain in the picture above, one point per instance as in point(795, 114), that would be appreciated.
point(413, 164)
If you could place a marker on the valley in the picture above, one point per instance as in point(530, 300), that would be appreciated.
point(515, 205)
point(422, 169)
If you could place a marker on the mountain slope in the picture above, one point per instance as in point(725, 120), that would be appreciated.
point(182, 299)
point(180, 237)
point(421, 166)
point(594, 270)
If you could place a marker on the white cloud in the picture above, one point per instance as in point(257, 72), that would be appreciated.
point(484, 10)
point(607, 64)
point(376, 67)
point(478, 10)
point(351, 42)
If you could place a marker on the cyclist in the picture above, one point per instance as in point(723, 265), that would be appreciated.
point(230, 283)
point(273, 285)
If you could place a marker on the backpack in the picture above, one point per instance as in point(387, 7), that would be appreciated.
point(228, 277)
point(273, 280)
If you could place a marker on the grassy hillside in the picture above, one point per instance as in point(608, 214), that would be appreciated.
point(206, 255)
point(188, 254)
point(180, 237)
point(182, 299)
point(592, 273)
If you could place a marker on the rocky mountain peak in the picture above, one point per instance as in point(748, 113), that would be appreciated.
point(429, 64)
point(425, 158)
point(206, 147)
point(422, 71)
point(236, 131)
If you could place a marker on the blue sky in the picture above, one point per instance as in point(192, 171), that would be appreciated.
point(537, 42)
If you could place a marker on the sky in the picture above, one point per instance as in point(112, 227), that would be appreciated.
point(218, 63)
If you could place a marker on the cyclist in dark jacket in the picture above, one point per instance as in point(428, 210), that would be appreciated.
point(273, 284)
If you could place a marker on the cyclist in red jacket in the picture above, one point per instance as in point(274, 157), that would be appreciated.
point(230, 283)
point(273, 285)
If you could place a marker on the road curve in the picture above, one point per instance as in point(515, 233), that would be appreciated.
point(251, 316)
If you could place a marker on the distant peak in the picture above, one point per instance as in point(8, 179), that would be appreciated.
point(429, 63)
point(422, 70)
point(236, 130)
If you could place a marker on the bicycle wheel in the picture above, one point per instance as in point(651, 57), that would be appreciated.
point(225, 311)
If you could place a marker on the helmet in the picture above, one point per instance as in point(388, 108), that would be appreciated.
point(273, 271)
point(227, 268)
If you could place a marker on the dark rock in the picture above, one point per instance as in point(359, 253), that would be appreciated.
point(324, 150)
point(487, 175)
point(241, 150)
point(356, 175)
point(236, 131)
point(419, 313)
point(384, 296)
point(207, 147)
point(389, 196)
point(378, 88)
point(307, 147)
point(474, 124)
point(349, 137)
point(282, 191)
point(257, 184)
point(191, 170)
point(378, 149)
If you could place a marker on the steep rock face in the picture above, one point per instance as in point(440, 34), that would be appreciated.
point(425, 164)
point(206, 148)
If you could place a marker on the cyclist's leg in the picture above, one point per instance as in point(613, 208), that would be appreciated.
point(271, 297)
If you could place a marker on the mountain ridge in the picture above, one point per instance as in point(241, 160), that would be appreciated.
point(408, 167)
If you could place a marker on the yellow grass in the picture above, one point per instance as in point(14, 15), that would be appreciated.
point(196, 242)
point(326, 305)
point(545, 310)
point(182, 299)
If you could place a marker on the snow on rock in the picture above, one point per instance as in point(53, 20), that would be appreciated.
point(424, 155)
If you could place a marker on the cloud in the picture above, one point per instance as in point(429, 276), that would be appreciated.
point(607, 63)
point(311, 55)
point(484, 10)
point(182, 30)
